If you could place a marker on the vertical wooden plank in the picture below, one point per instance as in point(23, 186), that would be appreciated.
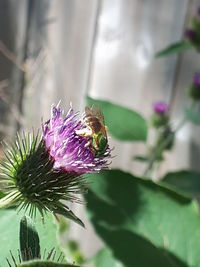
point(187, 150)
point(60, 42)
point(13, 21)
point(124, 69)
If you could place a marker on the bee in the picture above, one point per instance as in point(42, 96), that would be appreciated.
point(95, 129)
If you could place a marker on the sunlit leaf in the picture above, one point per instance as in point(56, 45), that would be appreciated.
point(10, 227)
point(185, 181)
point(143, 223)
point(104, 258)
point(192, 116)
point(123, 123)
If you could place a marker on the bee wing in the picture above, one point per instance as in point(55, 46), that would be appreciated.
point(89, 112)
point(96, 118)
point(98, 113)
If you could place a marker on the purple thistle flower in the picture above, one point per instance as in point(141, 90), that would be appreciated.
point(196, 80)
point(198, 11)
point(194, 90)
point(190, 34)
point(70, 151)
point(161, 108)
point(40, 172)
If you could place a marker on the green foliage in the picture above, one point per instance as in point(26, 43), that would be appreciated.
point(143, 223)
point(192, 116)
point(2, 194)
point(63, 225)
point(75, 252)
point(45, 264)
point(194, 92)
point(185, 181)
point(29, 240)
point(159, 120)
point(123, 123)
point(166, 139)
point(9, 225)
point(104, 258)
point(174, 49)
point(141, 158)
point(70, 247)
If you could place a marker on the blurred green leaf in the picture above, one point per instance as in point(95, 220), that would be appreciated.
point(104, 258)
point(143, 223)
point(45, 264)
point(63, 225)
point(123, 123)
point(192, 116)
point(174, 49)
point(185, 181)
point(75, 252)
point(141, 158)
point(29, 239)
point(146, 158)
point(10, 226)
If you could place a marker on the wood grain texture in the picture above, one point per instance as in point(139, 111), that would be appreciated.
point(124, 69)
point(60, 40)
point(186, 153)
point(13, 25)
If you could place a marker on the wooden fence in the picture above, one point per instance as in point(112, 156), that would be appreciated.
point(52, 50)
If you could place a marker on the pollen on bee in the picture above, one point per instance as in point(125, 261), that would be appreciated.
point(84, 132)
point(88, 144)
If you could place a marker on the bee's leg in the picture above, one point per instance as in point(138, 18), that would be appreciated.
point(88, 144)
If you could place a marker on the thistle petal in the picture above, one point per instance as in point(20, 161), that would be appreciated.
point(68, 148)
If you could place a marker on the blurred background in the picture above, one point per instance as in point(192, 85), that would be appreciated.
point(64, 50)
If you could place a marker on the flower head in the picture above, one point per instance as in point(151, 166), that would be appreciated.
point(196, 80)
point(198, 11)
point(190, 34)
point(43, 171)
point(161, 108)
point(69, 149)
point(194, 90)
point(160, 117)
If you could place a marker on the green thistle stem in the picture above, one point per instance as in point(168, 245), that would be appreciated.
point(159, 149)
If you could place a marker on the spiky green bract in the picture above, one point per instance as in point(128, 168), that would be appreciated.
point(31, 182)
point(45, 264)
point(50, 258)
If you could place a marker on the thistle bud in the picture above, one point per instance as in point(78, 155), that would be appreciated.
point(40, 172)
point(192, 34)
point(160, 117)
point(194, 90)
